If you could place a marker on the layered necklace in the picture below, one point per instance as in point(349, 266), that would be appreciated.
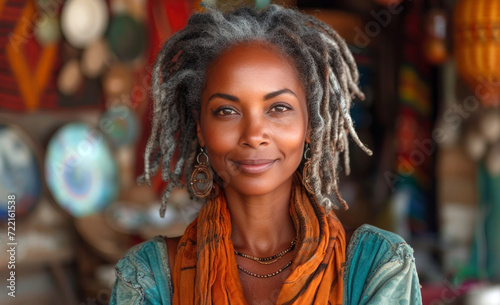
point(267, 261)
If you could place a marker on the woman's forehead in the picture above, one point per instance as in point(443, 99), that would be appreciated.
point(253, 52)
point(252, 62)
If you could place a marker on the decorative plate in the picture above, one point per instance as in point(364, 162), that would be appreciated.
point(20, 173)
point(80, 170)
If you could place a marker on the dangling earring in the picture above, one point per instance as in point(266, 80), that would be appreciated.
point(306, 171)
point(202, 175)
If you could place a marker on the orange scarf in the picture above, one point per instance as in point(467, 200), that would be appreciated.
point(205, 270)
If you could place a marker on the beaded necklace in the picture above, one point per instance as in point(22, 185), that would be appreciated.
point(267, 260)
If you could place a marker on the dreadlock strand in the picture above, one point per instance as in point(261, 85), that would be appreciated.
point(353, 86)
point(331, 186)
point(164, 199)
point(315, 166)
point(155, 162)
point(344, 49)
point(340, 142)
point(347, 165)
point(335, 127)
point(339, 95)
point(327, 99)
point(152, 141)
point(186, 147)
point(347, 118)
point(340, 199)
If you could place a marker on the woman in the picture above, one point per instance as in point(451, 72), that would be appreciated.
point(251, 110)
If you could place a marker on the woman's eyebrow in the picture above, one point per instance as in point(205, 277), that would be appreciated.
point(223, 96)
point(279, 92)
point(233, 98)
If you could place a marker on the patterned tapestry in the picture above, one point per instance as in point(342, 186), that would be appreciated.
point(27, 69)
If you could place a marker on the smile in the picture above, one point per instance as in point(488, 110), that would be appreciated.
point(254, 166)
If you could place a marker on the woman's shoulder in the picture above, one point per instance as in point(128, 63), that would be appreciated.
point(380, 268)
point(143, 256)
point(368, 235)
point(142, 270)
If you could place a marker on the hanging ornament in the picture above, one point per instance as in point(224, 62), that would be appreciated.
point(489, 124)
point(475, 145)
point(47, 31)
point(126, 37)
point(117, 83)
point(435, 44)
point(94, 58)
point(477, 47)
point(70, 78)
point(83, 21)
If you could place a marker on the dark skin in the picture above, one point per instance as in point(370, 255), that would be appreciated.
point(253, 125)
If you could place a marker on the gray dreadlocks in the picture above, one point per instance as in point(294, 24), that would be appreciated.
point(324, 62)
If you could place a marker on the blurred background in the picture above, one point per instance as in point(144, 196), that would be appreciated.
point(75, 114)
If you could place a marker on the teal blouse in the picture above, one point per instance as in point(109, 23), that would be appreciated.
point(380, 269)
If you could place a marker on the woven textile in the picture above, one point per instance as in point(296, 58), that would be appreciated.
point(27, 69)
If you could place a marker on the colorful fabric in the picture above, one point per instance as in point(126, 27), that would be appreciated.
point(205, 270)
point(415, 148)
point(27, 69)
point(380, 269)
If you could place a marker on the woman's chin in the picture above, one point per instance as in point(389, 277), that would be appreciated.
point(249, 186)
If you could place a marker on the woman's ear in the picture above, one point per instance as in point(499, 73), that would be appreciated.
point(308, 135)
point(199, 134)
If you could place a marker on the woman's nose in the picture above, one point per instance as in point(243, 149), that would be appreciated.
point(255, 132)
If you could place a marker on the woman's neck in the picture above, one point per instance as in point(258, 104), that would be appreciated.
point(261, 225)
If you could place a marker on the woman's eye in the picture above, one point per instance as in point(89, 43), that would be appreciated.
point(224, 111)
point(280, 108)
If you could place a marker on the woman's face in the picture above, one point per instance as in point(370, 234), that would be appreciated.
point(253, 120)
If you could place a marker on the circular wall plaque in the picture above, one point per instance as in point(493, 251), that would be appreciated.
point(80, 171)
point(20, 173)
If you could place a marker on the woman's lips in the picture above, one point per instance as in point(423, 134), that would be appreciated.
point(254, 166)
